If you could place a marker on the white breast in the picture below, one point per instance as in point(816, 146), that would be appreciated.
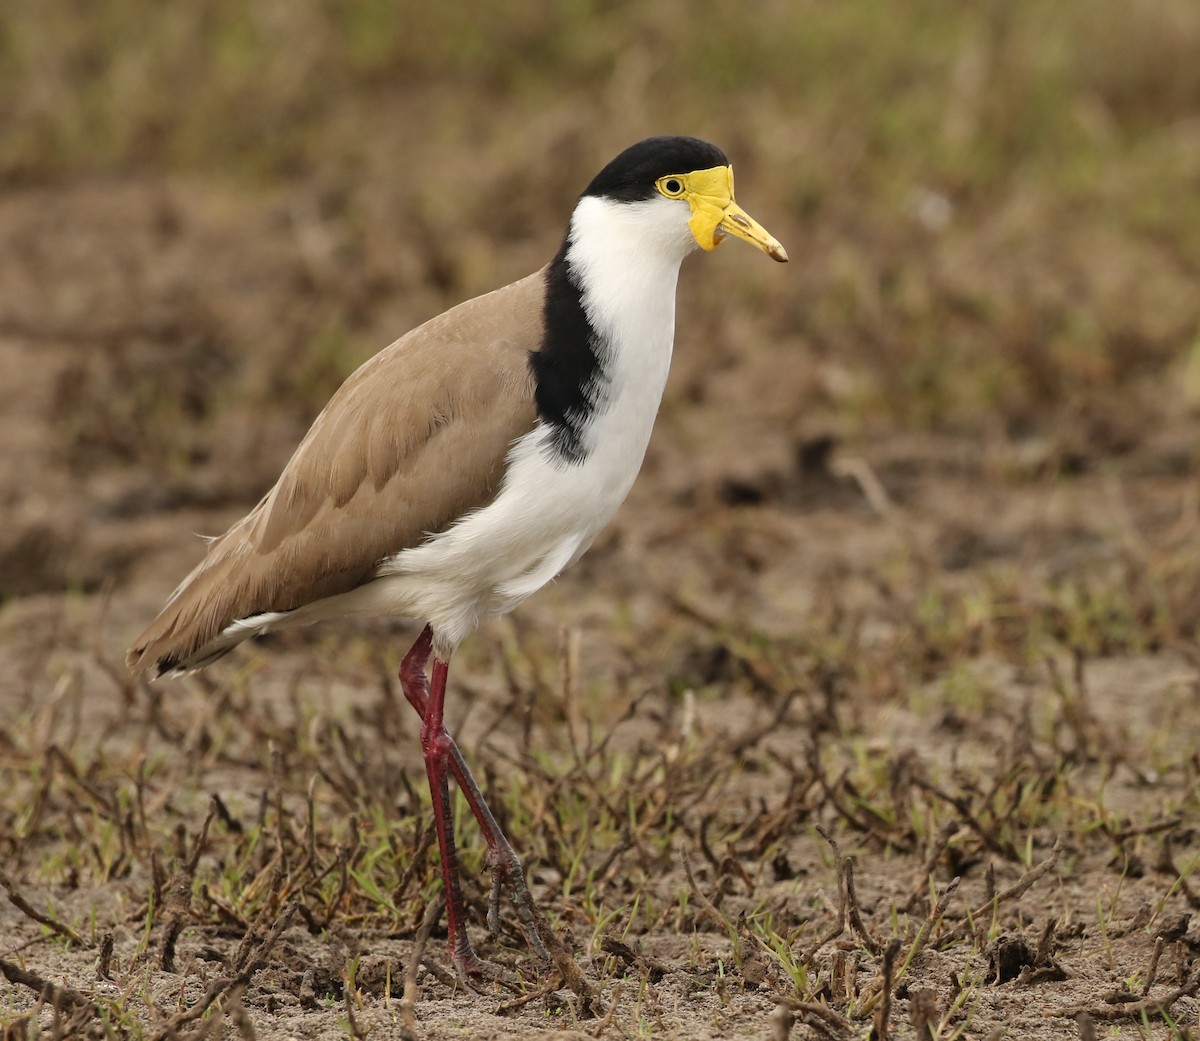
point(548, 510)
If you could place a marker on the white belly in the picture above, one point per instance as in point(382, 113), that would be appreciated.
point(546, 515)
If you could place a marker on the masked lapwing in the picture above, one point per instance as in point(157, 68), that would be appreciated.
point(465, 466)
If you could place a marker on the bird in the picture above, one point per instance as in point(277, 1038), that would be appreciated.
point(469, 463)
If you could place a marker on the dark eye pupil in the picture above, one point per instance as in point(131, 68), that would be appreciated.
point(673, 186)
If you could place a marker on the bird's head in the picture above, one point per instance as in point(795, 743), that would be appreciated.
point(688, 183)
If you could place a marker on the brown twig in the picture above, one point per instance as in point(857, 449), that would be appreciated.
point(1045, 943)
point(923, 1012)
point(1132, 1009)
point(1166, 864)
point(781, 1022)
point(936, 848)
point(166, 959)
point(986, 835)
point(883, 1010)
point(843, 977)
point(1018, 888)
point(60, 997)
point(27, 909)
point(1153, 828)
point(590, 1004)
point(104, 965)
point(440, 973)
point(710, 909)
point(355, 1030)
point(237, 1012)
point(850, 908)
point(226, 985)
point(839, 926)
point(1087, 1027)
point(879, 989)
point(420, 850)
point(1152, 968)
point(653, 969)
point(818, 1016)
point(408, 1003)
point(517, 1003)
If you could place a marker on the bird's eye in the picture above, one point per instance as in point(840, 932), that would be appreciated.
point(671, 187)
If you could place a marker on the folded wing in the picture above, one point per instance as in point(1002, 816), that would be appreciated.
point(414, 439)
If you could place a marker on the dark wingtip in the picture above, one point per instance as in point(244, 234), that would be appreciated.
point(165, 666)
point(137, 663)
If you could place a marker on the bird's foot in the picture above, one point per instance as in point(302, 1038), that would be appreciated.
point(476, 972)
point(507, 874)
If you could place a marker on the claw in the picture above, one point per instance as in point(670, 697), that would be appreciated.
point(473, 970)
point(508, 874)
point(493, 911)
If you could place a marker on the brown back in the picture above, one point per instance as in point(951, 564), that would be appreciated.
point(411, 441)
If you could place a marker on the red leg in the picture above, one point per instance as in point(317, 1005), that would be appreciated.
point(436, 744)
point(412, 671)
point(442, 752)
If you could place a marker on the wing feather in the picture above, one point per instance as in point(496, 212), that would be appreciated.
point(414, 439)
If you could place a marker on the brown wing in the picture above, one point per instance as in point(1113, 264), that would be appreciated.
point(411, 441)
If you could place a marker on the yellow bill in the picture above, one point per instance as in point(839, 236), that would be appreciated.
point(714, 212)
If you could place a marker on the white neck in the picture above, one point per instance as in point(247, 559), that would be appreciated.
point(625, 258)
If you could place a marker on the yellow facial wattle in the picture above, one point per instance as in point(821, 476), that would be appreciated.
point(714, 212)
point(708, 193)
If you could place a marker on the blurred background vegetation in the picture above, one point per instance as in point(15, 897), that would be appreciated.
point(993, 208)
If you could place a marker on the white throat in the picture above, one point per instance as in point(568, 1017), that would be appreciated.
point(625, 257)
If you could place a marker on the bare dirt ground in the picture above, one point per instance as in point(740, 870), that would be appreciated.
point(875, 711)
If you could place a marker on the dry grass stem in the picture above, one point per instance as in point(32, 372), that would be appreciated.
point(711, 911)
point(27, 909)
point(826, 1021)
point(881, 1021)
point(1135, 1010)
point(923, 1012)
point(781, 1022)
point(1013, 892)
point(879, 988)
point(408, 1000)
